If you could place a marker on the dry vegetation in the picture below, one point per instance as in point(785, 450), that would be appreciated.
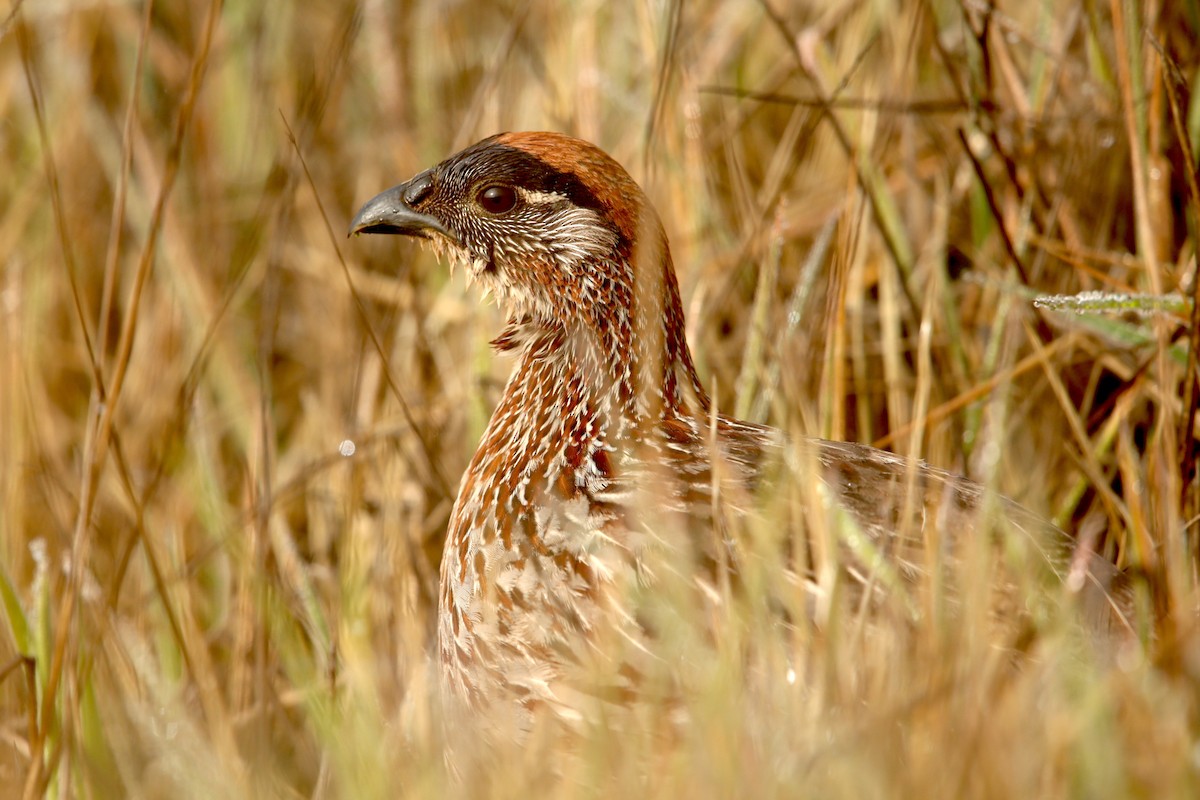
point(203, 596)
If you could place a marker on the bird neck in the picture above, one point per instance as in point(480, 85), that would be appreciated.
point(653, 346)
point(629, 359)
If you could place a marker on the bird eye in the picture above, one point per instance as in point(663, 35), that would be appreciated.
point(498, 199)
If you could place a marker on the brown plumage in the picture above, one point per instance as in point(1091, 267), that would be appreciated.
point(604, 410)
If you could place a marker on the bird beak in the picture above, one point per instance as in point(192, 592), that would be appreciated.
point(388, 213)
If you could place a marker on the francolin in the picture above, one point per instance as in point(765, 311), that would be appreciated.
point(605, 446)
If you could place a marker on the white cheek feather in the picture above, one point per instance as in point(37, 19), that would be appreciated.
point(569, 234)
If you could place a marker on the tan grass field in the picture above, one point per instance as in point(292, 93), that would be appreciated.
point(205, 596)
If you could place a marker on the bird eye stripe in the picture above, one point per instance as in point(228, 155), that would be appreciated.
point(537, 198)
point(489, 159)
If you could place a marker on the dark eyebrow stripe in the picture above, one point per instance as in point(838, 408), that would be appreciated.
point(490, 159)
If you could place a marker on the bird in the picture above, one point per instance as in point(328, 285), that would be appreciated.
point(605, 448)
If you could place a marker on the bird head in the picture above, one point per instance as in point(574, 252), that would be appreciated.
point(560, 233)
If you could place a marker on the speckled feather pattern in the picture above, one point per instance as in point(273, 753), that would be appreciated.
point(604, 408)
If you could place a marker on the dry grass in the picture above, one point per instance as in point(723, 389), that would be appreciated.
point(204, 598)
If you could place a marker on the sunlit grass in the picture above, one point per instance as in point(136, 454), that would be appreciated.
point(205, 597)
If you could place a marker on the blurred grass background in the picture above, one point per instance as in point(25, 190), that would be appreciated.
point(230, 439)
